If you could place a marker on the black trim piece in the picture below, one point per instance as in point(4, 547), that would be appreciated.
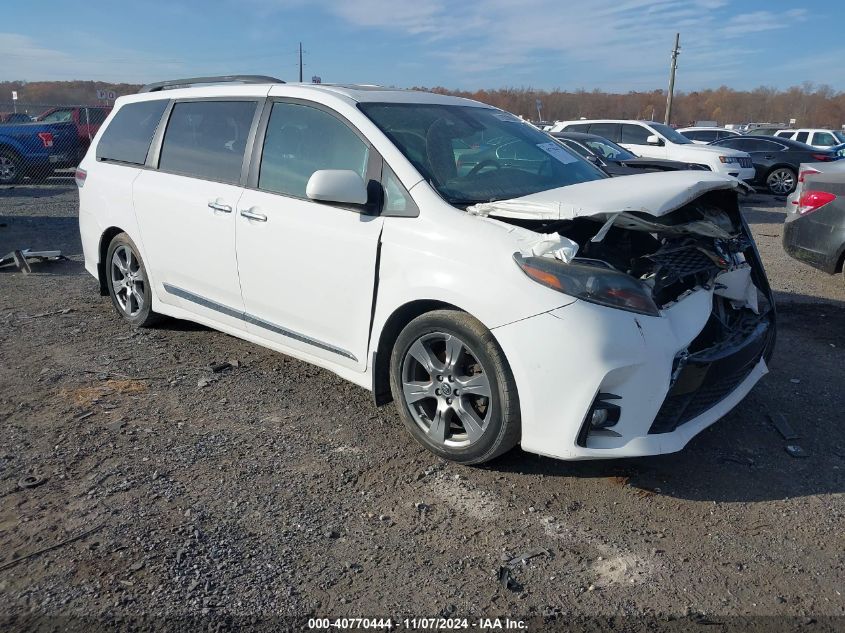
point(254, 320)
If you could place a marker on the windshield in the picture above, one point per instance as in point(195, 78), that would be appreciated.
point(609, 149)
point(670, 134)
point(472, 154)
point(840, 136)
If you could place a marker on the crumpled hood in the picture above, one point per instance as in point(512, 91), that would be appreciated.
point(654, 194)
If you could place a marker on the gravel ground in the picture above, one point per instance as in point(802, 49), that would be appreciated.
point(277, 490)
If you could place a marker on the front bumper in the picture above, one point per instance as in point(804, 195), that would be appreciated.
point(563, 359)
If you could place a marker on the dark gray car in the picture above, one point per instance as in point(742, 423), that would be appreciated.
point(814, 232)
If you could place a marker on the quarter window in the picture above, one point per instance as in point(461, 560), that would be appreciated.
point(635, 134)
point(300, 140)
point(127, 137)
point(207, 139)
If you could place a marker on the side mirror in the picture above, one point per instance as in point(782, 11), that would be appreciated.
point(342, 186)
point(654, 140)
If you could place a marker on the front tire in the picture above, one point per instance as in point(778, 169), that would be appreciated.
point(128, 283)
point(781, 181)
point(454, 389)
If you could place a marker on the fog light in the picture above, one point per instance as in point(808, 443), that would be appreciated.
point(599, 418)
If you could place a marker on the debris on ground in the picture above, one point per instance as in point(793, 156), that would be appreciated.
point(783, 427)
point(31, 481)
point(526, 556)
point(796, 451)
point(21, 257)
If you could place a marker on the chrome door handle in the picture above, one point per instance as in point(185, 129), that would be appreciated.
point(252, 215)
point(225, 208)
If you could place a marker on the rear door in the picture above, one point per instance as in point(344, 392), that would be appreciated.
point(186, 206)
point(308, 268)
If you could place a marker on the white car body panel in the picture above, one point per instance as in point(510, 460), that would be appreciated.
point(335, 276)
point(654, 193)
point(730, 133)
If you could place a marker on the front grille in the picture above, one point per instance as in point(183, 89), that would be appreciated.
point(746, 162)
point(682, 261)
point(716, 379)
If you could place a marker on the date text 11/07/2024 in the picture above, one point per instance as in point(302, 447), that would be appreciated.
point(417, 624)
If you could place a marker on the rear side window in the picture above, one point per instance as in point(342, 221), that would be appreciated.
point(578, 127)
point(301, 140)
point(610, 131)
point(701, 135)
point(801, 137)
point(127, 138)
point(207, 139)
point(635, 134)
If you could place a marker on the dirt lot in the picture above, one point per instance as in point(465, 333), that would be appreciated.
point(278, 491)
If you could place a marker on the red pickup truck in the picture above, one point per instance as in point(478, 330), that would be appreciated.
point(87, 120)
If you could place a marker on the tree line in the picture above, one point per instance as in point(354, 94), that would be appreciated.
point(810, 105)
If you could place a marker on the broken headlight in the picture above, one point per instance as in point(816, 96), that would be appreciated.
point(595, 284)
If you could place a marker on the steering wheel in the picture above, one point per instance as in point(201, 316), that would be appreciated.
point(487, 162)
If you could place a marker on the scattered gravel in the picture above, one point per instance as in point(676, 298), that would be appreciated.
point(271, 488)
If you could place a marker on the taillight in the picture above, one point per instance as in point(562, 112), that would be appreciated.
point(822, 158)
point(807, 172)
point(79, 176)
point(813, 200)
point(46, 138)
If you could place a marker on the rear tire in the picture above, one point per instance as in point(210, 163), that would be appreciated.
point(781, 181)
point(128, 283)
point(454, 389)
point(10, 167)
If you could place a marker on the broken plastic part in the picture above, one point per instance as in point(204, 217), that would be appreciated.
point(736, 285)
point(560, 247)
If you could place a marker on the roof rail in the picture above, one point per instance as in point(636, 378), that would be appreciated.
point(190, 81)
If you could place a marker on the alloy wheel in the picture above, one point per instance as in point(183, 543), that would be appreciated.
point(128, 280)
point(781, 181)
point(446, 389)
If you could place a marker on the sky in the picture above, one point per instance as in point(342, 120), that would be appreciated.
point(612, 45)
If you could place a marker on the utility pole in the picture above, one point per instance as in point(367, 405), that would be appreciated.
point(300, 62)
point(672, 68)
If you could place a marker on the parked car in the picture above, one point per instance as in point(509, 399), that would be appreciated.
point(705, 135)
point(87, 120)
point(766, 130)
point(776, 160)
point(655, 140)
point(15, 117)
point(613, 158)
point(814, 229)
point(531, 301)
point(35, 150)
point(820, 139)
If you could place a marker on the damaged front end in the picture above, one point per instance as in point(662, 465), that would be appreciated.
point(647, 263)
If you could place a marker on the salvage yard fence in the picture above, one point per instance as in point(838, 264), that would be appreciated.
point(42, 143)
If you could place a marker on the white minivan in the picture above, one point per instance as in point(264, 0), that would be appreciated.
point(656, 140)
point(498, 297)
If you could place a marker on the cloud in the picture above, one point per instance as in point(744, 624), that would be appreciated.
point(760, 21)
point(629, 40)
point(26, 58)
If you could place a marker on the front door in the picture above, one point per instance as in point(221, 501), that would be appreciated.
point(307, 269)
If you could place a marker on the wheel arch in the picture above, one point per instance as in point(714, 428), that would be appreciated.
point(394, 324)
point(102, 250)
